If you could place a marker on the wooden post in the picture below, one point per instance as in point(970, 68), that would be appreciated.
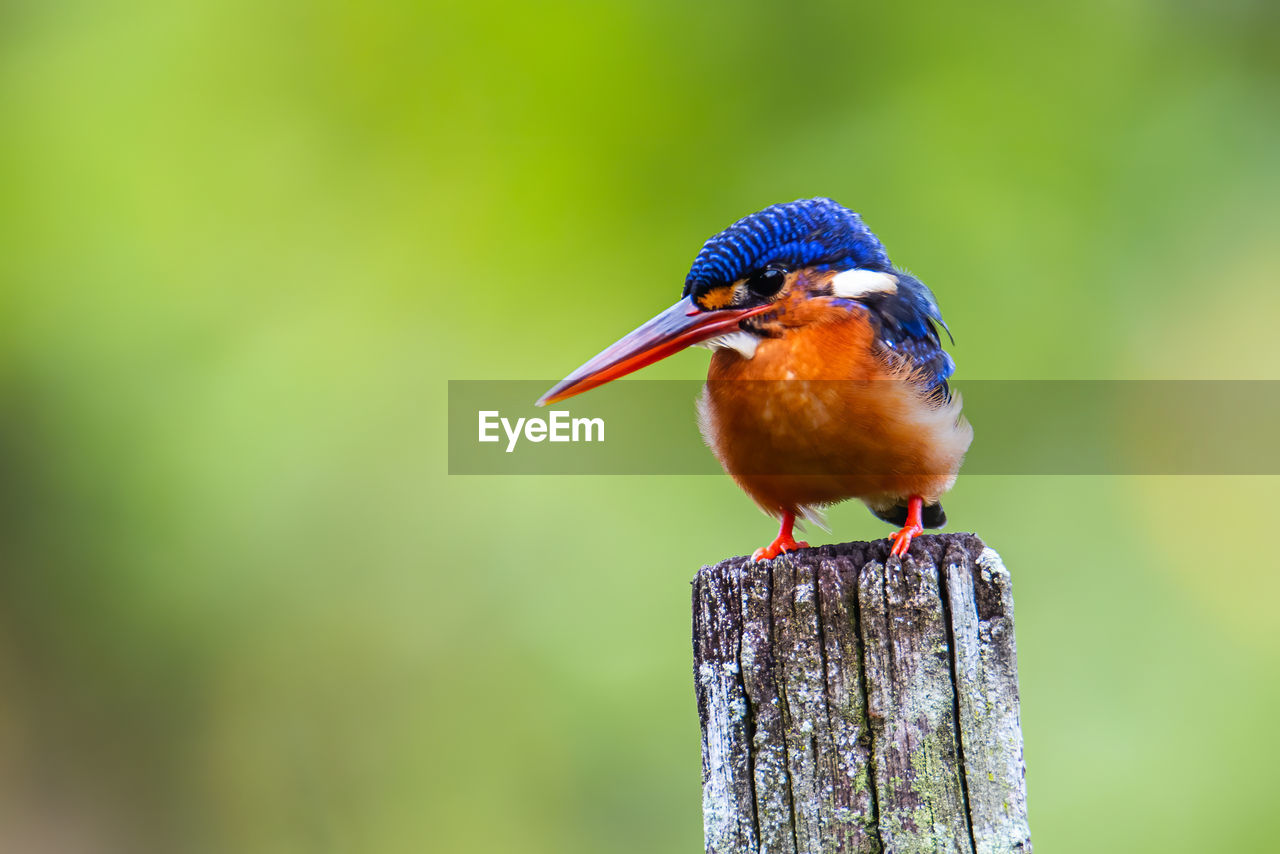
point(851, 703)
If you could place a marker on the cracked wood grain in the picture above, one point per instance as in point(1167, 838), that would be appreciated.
point(855, 703)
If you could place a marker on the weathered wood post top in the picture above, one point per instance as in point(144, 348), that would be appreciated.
point(852, 702)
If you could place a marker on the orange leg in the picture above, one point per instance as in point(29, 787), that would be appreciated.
point(784, 542)
point(902, 539)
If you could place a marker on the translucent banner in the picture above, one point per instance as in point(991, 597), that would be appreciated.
point(1020, 427)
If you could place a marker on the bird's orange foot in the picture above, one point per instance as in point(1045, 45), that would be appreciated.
point(777, 547)
point(784, 542)
point(902, 539)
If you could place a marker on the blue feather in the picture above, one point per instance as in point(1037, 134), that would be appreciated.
point(806, 233)
point(905, 323)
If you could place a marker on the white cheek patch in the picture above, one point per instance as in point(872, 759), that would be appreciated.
point(744, 342)
point(852, 284)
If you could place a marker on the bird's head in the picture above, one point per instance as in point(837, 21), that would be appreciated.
point(752, 280)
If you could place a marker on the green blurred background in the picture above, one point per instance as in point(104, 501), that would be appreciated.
point(244, 245)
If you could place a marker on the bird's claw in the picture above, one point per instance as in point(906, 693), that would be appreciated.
point(777, 547)
point(902, 539)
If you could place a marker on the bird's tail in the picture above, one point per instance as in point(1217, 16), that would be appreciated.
point(932, 516)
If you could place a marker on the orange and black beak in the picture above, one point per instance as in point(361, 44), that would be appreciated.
point(681, 326)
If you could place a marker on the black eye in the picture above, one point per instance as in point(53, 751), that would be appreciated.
point(767, 282)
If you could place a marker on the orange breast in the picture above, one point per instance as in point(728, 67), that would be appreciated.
point(817, 416)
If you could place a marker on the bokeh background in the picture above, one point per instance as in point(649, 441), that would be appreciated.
point(244, 245)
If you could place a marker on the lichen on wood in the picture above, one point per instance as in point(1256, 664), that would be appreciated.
point(852, 702)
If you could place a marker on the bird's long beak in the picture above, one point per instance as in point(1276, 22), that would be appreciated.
point(681, 326)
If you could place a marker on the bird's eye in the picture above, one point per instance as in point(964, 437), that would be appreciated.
point(767, 282)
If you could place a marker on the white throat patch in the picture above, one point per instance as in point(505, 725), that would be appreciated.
point(744, 342)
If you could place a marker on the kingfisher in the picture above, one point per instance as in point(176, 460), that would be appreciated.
point(828, 379)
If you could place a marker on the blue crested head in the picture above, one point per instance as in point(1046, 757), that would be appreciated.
point(767, 277)
point(823, 235)
point(815, 233)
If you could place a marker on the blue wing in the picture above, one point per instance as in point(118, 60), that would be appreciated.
point(906, 323)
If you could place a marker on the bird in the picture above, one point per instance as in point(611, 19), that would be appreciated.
point(828, 380)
